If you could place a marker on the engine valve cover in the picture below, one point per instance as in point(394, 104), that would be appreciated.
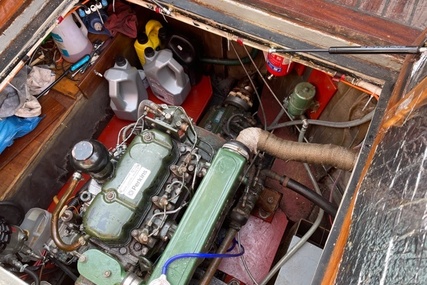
point(139, 175)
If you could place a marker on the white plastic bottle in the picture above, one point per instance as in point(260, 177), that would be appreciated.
point(126, 89)
point(166, 76)
point(71, 40)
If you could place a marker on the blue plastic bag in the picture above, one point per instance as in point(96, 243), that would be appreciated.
point(15, 127)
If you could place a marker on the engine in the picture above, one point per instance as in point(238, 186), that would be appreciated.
point(137, 194)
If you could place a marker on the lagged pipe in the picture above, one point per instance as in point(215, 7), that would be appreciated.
point(337, 156)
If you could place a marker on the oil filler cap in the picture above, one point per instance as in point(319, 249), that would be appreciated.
point(91, 156)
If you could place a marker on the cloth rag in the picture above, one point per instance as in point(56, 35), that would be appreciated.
point(122, 19)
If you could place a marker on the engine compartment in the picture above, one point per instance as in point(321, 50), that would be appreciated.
point(167, 202)
point(170, 187)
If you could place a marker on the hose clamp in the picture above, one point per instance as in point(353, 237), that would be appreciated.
point(238, 148)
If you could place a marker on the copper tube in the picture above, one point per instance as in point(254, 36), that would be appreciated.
point(337, 156)
point(55, 216)
point(213, 266)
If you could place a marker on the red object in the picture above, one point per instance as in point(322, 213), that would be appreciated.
point(325, 90)
point(261, 241)
point(299, 68)
point(278, 65)
point(196, 101)
point(194, 105)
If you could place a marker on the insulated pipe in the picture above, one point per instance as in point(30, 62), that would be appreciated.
point(337, 156)
point(56, 214)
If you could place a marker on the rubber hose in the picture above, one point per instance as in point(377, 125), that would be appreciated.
point(65, 269)
point(301, 189)
point(339, 125)
point(337, 156)
point(33, 275)
point(245, 60)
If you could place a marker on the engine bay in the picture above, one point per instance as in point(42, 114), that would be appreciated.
point(241, 194)
point(171, 193)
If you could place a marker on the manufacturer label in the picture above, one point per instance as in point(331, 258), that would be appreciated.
point(134, 180)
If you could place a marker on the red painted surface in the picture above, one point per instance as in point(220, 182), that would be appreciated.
point(261, 241)
point(194, 105)
point(325, 90)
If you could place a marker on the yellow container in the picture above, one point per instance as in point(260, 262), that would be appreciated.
point(140, 45)
point(152, 31)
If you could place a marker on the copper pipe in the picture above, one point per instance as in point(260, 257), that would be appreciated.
point(213, 266)
point(55, 216)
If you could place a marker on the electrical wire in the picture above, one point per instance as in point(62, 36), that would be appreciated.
point(190, 122)
point(245, 265)
point(252, 83)
point(124, 130)
point(33, 275)
point(164, 213)
point(199, 255)
point(268, 87)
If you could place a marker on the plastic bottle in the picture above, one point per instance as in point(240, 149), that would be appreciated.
point(152, 31)
point(166, 76)
point(71, 40)
point(140, 45)
point(186, 54)
point(126, 89)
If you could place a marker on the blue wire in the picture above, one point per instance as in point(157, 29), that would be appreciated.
point(199, 255)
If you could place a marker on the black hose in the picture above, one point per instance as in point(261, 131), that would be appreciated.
point(65, 269)
point(19, 210)
point(312, 196)
point(33, 275)
point(220, 61)
point(302, 190)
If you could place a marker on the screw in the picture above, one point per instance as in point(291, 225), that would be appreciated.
point(270, 200)
point(107, 273)
point(147, 137)
point(83, 259)
point(110, 196)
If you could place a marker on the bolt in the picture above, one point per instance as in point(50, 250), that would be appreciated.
point(137, 246)
point(123, 250)
point(144, 251)
point(270, 200)
point(107, 273)
point(83, 258)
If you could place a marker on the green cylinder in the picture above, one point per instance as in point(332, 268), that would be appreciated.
point(197, 228)
point(301, 99)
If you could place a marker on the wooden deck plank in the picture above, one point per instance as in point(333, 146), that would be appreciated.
point(420, 15)
point(23, 155)
point(52, 111)
point(8, 9)
point(375, 7)
point(353, 23)
point(400, 10)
